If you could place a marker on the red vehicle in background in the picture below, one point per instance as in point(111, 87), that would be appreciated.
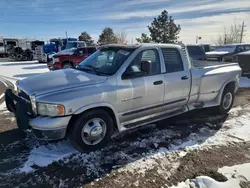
point(71, 59)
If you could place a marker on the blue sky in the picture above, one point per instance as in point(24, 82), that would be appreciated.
point(45, 19)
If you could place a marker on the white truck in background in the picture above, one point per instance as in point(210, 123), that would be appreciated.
point(2, 51)
point(18, 48)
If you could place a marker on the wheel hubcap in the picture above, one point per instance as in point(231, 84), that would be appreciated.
point(227, 101)
point(93, 131)
point(67, 66)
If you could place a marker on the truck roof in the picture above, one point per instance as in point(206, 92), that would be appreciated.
point(244, 53)
point(236, 44)
point(141, 45)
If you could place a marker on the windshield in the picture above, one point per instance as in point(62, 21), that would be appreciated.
point(229, 49)
point(105, 61)
point(70, 45)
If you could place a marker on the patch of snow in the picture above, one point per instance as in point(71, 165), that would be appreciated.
point(45, 155)
point(233, 130)
point(244, 82)
point(235, 175)
point(3, 107)
point(21, 69)
point(237, 171)
point(185, 184)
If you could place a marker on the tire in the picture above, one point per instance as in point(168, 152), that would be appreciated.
point(227, 100)
point(67, 66)
point(84, 126)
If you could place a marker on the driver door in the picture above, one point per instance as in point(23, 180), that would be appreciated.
point(141, 95)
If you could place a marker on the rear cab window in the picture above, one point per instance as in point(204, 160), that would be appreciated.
point(196, 52)
point(172, 59)
point(91, 50)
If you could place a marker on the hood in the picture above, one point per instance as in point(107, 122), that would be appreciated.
point(66, 52)
point(58, 80)
point(244, 53)
point(216, 53)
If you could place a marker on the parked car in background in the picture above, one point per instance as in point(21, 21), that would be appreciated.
point(196, 52)
point(119, 87)
point(70, 59)
point(226, 53)
point(206, 47)
point(243, 59)
point(45, 53)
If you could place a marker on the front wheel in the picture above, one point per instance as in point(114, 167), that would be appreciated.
point(92, 130)
point(226, 100)
point(67, 66)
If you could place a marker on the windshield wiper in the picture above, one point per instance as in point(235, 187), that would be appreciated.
point(91, 68)
point(97, 70)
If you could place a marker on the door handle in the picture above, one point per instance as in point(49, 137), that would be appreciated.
point(158, 82)
point(184, 77)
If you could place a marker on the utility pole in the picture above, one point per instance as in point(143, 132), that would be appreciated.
point(225, 39)
point(66, 35)
point(242, 31)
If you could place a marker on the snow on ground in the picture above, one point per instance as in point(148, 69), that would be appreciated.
point(16, 70)
point(244, 82)
point(235, 175)
point(45, 155)
point(236, 129)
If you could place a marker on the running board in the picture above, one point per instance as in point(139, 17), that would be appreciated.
point(157, 118)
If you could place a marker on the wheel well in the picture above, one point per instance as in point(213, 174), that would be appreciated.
point(230, 85)
point(64, 62)
point(107, 109)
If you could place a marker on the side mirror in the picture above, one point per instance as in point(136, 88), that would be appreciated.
point(146, 67)
point(128, 75)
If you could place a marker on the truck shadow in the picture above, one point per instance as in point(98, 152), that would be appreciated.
point(81, 168)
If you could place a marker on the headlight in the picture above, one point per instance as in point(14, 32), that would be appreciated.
point(56, 60)
point(33, 104)
point(53, 110)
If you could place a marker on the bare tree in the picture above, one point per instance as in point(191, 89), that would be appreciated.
point(231, 34)
point(122, 36)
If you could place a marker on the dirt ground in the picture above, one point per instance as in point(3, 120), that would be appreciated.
point(74, 172)
point(193, 164)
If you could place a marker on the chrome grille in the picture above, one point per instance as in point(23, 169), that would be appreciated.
point(26, 98)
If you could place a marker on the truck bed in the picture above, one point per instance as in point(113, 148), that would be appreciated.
point(214, 64)
point(208, 79)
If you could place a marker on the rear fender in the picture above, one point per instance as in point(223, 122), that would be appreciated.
point(218, 98)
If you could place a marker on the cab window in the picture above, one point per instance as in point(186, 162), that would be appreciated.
point(151, 56)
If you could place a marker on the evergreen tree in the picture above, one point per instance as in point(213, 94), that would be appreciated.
point(86, 38)
point(144, 38)
point(163, 29)
point(107, 36)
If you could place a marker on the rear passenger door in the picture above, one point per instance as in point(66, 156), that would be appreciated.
point(177, 78)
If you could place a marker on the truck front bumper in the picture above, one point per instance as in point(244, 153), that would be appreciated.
point(45, 128)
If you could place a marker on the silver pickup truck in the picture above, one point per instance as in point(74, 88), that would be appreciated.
point(118, 88)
